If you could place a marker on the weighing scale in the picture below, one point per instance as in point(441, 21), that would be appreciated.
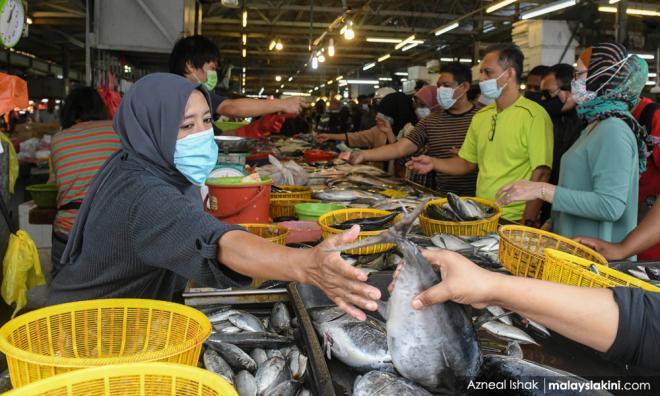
point(233, 151)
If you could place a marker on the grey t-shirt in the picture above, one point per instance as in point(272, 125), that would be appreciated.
point(146, 242)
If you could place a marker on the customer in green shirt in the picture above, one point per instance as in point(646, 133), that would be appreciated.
point(596, 195)
point(509, 140)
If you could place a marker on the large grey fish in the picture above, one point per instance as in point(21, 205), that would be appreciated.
point(216, 364)
point(499, 313)
point(259, 356)
point(5, 382)
point(360, 345)
point(272, 373)
point(489, 243)
point(250, 340)
point(235, 356)
point(378, 383)
point(280, 318)
point(507, 332)
point(505, 368)
point(286, 388)
point(245, 384)
point(450, 242)
point(247, 321)
point(435, 347)
point(222, 315)
point(466, 209)
point(337, 195)
point(274, 352)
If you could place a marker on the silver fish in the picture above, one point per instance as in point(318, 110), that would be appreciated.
point(505, 368)
point(304, 392)
point(286, 388)
point(360, 345)
point(245, 384)
point(250, 340)
point(227, 329)
point(297, 364)
point(222, 316)
point(498, 312)
point(273, 372)
point(489, 243)
point(451, 242)
point(507, 332)
point(247, 322)
point(639, 274)
point(280, 318)
point(274, 352)
point(337, 195)
point(537, 326)
point(235, 356)
point(466, 209)
point(259, 356)
point(377, 383)
point(435, 347)
point(216, 364)
point(594, 269)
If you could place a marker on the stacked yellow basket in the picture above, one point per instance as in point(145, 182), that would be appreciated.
point(482, 227)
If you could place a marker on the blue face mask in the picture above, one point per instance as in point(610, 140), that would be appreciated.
point(196, 155)
point(489, 88)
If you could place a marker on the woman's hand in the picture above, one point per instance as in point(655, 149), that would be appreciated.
point(323, 137)
point(340, 281)
point(522, 190)
point(611, 251)
point(421, 165)
point(462, 281)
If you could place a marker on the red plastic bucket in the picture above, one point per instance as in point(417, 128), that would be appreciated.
point(235, 202)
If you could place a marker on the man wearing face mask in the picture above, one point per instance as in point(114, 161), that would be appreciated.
point(440, 132)
point(533, 82)
point(508, 140)
point(196, 58)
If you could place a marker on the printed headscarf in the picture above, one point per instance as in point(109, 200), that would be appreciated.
point(618, 90)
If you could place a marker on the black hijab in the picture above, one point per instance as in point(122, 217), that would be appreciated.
point(147, 123)
point(399, 107)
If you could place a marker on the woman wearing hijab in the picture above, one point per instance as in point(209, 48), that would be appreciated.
point(395, 113)
point(596, 195)
point(142, 231)
point(426, 101)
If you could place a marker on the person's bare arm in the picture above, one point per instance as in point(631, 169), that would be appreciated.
point(593, 322)
point(254, 107)
point(455, 166)
point(392, 151)
point(533, 207)
point(253, 256)
point(646, 235)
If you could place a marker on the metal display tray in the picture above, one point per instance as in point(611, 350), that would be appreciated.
point(260, 304)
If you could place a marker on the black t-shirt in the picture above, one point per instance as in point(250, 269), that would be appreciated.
point(636, 340)
point(216, 100)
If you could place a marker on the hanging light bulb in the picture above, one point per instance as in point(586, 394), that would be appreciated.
point(244, 53)
point(271, 45)
point(315, 63)
point(279, 46)
point(331, 48)
point(349, 34)
point(321, 58)
point(244, 39)
point(244, 18)
point(278, 78)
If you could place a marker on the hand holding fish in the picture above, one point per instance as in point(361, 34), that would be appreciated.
point(354, 157)
point(462, 281)
point(421, 165)
point(525, 190)
point(341, 282)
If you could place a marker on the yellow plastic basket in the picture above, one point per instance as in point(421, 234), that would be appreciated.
point(281, 207)
point(431, 227)
point(339, 216)
point(565, 268)
point(71, 336)
point(521, 249)
point(273, 232)
point(293, 192)
point(133, 379)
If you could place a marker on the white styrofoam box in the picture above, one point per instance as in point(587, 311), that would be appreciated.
point(41, 234)
point(475, 74)
point(421, 73)
point(546, 32)
point(547, 56)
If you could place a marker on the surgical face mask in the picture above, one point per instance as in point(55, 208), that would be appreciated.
point(422, 112)
point(211, 80)
point(196, 155)
point(489, 88)
point(365, 107)
point(579, 87)
point(446, 97)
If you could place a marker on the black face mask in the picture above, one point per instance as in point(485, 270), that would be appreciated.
point(533, 95)
point(553, 106)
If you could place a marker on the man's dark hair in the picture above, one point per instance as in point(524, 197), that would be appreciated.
point(563, 74)
point(509, 55)
point(197, 50)
point(419, 84)
point(83, 104)
point(461, 72)
point(540, 70)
